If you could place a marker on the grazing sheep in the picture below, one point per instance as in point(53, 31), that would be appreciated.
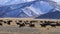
point(21, 24)
point(0, 24)
point(43, 25)
point(8, 22)
point(31, 25)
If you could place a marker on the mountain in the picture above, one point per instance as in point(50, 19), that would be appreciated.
point(15, 10)
point(50, 15)
point(23, 9)
point(11, 2)
point(17, 14)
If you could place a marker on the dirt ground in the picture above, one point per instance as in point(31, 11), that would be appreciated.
point(29, 30)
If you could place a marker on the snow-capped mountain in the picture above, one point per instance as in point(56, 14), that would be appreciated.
point(23, 8)
point(11, 2)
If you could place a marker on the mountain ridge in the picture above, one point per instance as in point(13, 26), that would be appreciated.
point(50, 15)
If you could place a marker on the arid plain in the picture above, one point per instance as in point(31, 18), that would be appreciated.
point(13, 28)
